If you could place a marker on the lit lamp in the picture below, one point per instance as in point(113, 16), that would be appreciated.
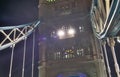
point(71, 31)
point(66, 33)
point(60, 33)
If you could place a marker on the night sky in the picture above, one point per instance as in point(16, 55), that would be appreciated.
point(13, 13)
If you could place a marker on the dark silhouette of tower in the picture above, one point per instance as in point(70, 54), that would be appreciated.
point(70, 56)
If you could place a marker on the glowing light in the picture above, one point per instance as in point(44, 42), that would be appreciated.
point(50, 0)
point(118, 39)
point(60, 33)
point(71, 31)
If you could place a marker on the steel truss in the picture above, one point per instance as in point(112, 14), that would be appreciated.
point(105, 22)
point(11, 35)
point(105, 18)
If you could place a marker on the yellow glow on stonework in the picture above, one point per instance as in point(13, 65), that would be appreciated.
point(51, 0)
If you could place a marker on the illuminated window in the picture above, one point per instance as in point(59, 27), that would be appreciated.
point(81, 28)
point(50, 0)
point(80, 52)
point(69, 53)
point(57, 55)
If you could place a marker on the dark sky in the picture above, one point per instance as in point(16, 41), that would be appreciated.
point(13, 12)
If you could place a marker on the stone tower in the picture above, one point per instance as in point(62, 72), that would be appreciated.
point(78, 55)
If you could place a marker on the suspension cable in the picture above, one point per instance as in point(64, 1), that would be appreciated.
point(33, 52)
point(24, 54)
point(106, 58)
point(11, 61)
point(12, 54)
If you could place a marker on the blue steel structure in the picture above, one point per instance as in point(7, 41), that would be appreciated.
point(105, 18)
point(105, 26)
point(13, 34)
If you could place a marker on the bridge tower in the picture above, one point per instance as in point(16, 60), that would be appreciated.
point(77, 55)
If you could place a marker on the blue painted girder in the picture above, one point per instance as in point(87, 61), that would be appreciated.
point(113, 26)
point(112, 23)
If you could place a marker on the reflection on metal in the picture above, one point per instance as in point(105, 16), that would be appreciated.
point(118, 39)
point(13, 34)
point(107, 7)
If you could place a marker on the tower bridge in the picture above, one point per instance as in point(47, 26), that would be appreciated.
point(76, 39)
